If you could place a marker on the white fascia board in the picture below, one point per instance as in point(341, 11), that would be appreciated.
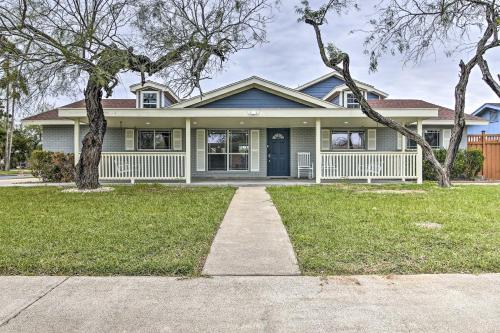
point(329, 75)
point(47, 122)
point(343, 87)
point(452, 122)
point(484, 106)
point(254, 82)
point(152, 84)
point(253, 113)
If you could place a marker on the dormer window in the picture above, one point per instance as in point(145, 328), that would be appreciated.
point(351, 101)
point(150, 99)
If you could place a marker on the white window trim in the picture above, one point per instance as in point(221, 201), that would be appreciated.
point(228, 153)
point(158, 101)
point(349, 130)
point(345, 99)
point(154, 130)
point(439, 133)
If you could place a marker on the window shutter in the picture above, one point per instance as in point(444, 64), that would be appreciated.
point(177, 139)
point(254, 147)
point(446, 137)
point(325, 139)
point(129, 139)
point(372, 139)
point(200, 150)
point(400, 141)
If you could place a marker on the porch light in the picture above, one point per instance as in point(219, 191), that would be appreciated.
point(148, 123)
point(242, 122)
point(305, 122)
point(346, 122)
point(195, 123)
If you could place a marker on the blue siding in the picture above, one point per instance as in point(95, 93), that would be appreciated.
point(336, 100)
point(320, 89)
point(371, 95)
point(493, 116)
point(254, 98)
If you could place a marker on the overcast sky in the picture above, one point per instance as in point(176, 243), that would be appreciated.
point(291, 58)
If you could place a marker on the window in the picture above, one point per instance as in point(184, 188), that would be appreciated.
point(494, 116)
point(342, 140)
point(154, 140)
point(227, 150)
point(150, 99)
point(431, 136)
point(351, 101)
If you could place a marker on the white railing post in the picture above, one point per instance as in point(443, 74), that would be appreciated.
point(142, 166)
point(318, 152)
point(187, 158)
point(368, 165)
point(76, 139)
point(419, 154)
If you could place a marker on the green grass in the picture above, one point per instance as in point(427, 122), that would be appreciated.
point(15, 172)
point(342, 230)
point(134, 230)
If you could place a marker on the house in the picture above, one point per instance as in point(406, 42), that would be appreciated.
point(490, 112)
point(253, 128)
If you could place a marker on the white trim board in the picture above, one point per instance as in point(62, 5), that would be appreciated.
point(329, 75)
point(254, 82)
point(344, 87)
point(252, 113)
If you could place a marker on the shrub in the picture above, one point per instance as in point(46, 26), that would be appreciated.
point(52, 167)
point(466, 165)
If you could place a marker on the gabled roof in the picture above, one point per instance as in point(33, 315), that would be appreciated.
point(363, 86)
point(329, 75)
point(255, 82)
point(494, 106)
point(155, 85)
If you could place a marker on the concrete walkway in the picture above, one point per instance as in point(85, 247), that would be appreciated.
point(421, 303)
point(252, 239)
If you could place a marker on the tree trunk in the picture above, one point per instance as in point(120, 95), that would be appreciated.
point(87, 169)
point(444, 179)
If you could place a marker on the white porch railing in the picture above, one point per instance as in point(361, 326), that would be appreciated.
point(142, 165)
point(368, 165)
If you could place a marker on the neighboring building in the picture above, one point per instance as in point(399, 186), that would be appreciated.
point(253, 128)
point(490, 112)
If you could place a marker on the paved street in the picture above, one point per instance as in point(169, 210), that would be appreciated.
point(421, 303)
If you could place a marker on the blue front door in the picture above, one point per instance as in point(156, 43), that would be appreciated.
point(278, 152)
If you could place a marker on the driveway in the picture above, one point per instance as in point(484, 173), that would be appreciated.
point(421, 303)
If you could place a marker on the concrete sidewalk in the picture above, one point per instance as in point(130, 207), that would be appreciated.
point(252, 239)
point(421, 303)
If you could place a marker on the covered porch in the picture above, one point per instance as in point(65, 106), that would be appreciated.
point(381, 154)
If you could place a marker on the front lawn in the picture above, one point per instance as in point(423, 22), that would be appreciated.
point(134, 230)
point(15, 172)
point(350, 229)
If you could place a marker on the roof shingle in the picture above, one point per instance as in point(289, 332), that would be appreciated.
point(106, 104)
point(443, 113)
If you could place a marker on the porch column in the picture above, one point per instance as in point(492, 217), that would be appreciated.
point(76, 139)
point(318, 151)
point(187, 159)
point(419, 154)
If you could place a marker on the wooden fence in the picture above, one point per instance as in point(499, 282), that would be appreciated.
point(489, 144)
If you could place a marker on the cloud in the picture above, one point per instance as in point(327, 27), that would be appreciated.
point(291, 58)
